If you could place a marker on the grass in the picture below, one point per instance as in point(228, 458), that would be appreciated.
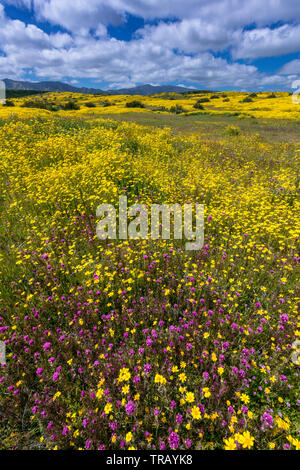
point(213, 126)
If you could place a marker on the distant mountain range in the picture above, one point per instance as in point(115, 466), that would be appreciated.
point(64, 87)
point(149, 90)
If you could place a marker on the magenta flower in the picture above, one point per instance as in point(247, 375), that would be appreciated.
point(55, 376)
point(130, 407)
point(174, 440)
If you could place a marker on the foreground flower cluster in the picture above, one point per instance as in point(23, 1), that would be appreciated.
point(140, 344)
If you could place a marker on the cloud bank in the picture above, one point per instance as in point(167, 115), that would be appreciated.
point(207, 43)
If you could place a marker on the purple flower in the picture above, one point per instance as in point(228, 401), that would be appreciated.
point(130, 408)
point(267, 420)
point(55, 376)
point(46, 346)
point(174, 440)
point(284, 318)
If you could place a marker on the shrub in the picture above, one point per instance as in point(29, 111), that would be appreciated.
point(160, 108)
point(134, 104)
point(247, 100)
point(177, 109)
point(70, 106)
point(90, 104)
point(203, 100)
point(198, 106)
point(9, 103)
point(106, 103)
point(40, 104)
point(233, 130)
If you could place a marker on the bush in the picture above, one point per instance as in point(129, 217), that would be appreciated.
point(50, 105)
point(40, 104)
point(177, 109)
point(134, 104)
point(106, 103)
point(233, 130)
point(160, 108)
point(198, 106)
point(70, 106)
point(272, 95)
point(203, 100)
point(247, 100)
point(9, 103)
point(90, 104)
point(226, 99)
point(214, 97)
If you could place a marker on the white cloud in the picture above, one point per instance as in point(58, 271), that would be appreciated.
point(168, 52)
point(79, 16)
point(291, 68)
point(190, 36)
point(230, 12)
point(268, 42)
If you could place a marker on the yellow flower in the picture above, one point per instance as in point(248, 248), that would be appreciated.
point(159, 379)
point(107, 408)
point(190, 397)
point(195, 412)
point(229, 444)
point(206, 392)
point(128, 437)
point(124, 375)
point(247, 440)
point(296, 443)
point(214, 357)
point(282, 424)
point(58, 394)
point(99, 393)
point(244, 398)
point(125, 389)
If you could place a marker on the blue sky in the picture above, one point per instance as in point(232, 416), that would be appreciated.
point(212, 44)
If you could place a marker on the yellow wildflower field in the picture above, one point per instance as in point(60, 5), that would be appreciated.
point(140, 344)
point(266, 105)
